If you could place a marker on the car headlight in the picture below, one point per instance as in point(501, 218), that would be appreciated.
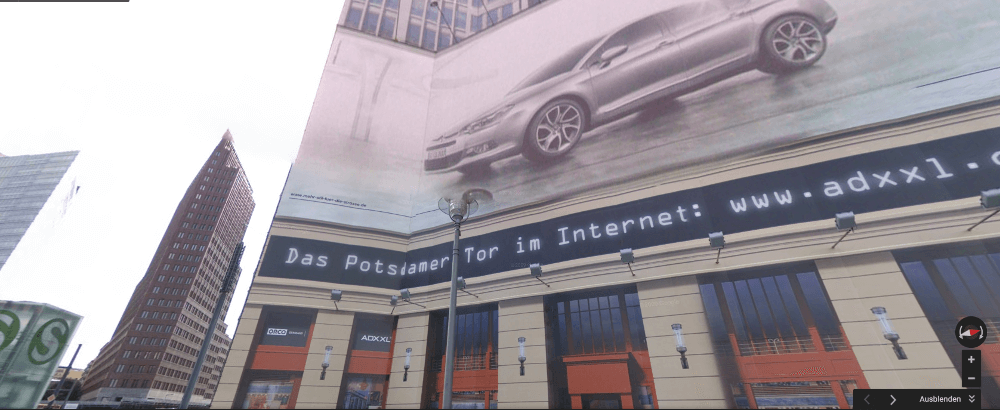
point(487, 120)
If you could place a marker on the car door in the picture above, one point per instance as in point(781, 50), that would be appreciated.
point(648, 56)
point(714, 36)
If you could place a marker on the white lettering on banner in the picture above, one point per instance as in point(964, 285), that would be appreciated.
point(307, 260)
point(276, 332)
point(372, 338)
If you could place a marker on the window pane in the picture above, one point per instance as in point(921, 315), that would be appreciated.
point(609, 334)
point(792, 305)
point(750, 313)
point(477, 23)
point(371, 21)
point(413, 34)
point(595, 323)
point(588, 335)
point(574, 306)
point(393, 4)
point(353, 18)
point(460, 19)
point(819, 304)
point(444, 42)
point(508, 10)
point(429, 36)
point(460, 332)
point(616, 322)
point(562, 334)
point(388, 29)
point(477, 321)
point(603, 300)
point(432, 14)
point(418, 7)
point(577, 333)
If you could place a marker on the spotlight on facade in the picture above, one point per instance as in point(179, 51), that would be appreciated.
point(717, 241)
point(521, 357)
point(405, 295)
point(393, 300)
point(889, 333)
point(326, 363)
point(536, 272)
point(627, 258)
point(681, 348)
point(462, 285)
point(406, 366)
point(844, 222)
point(989, 200)
point(335, 296)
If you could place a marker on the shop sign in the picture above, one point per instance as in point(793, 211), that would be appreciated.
point(33, 339)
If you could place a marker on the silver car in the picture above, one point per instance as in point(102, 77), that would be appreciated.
point(673, 52)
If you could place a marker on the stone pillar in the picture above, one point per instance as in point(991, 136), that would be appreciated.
point(523, 317)
point(411, 332)
point(332, 328)
point(858, 283)
point(236, 360)
point(678, 300)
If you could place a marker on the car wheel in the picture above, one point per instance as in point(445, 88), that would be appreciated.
point(791, 43)
point(554, 131)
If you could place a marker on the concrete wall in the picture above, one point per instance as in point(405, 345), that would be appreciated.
point(858, 283)
point(411, 332)
point(239, 351)
point(678, 300)
point(333, 328)
point(522, 317)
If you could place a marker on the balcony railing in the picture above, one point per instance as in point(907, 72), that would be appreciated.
point(786, 345)
point(485, 361)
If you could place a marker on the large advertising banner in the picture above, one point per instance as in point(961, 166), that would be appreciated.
point(941, 170)
point(582, 94)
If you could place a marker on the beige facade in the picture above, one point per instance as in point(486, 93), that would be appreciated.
point(858, 274)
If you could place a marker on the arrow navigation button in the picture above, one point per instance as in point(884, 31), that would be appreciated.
point(893, 399)
point(866, 399)
point(972, 398)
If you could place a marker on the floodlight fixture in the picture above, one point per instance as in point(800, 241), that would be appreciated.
point(844, 221)
point(335, 296)
point(681, 347)
point(536, 272)
point(405, 295)
point(717, 241)
point(461, 286)
point(393, 300)
point(888, 332)
point(521, 356)
point(989, 200)
point(627, 258)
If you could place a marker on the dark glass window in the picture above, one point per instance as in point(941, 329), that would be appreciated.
point(476, 335)
point(598, 322)
point(353, 18)
point(770, 314)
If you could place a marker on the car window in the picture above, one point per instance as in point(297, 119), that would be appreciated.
point(560, 65)
point(636, 33)
point(681, 18)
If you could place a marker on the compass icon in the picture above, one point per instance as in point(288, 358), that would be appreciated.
point(971, 332)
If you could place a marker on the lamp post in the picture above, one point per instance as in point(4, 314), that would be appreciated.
point(458, 210)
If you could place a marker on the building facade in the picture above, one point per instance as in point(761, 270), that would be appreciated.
point(691, 223)
point(27, 184)
point(150, 357)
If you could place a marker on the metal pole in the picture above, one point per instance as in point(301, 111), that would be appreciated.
point(71, 390)
point(63, 379)
point(224, 290)
point(449, 356)
point(984, 220)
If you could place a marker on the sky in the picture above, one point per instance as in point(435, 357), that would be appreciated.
point(145, 90)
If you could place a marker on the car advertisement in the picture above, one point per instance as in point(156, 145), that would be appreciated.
point(578, 95)
point(940, 170)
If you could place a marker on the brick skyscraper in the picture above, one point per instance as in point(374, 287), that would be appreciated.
point(153, 350)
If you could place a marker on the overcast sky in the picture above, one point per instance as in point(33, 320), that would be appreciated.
point(145, 91)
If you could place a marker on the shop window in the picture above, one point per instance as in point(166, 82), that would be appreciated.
point(476, 335)
point(603, 323)
point(951, 283)
point(271, 390)
point(364, 391)
point(768, 324)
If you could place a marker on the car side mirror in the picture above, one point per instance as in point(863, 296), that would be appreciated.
point(611, 54)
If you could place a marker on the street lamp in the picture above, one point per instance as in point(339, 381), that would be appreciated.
point(458, 210)
point(521, 357)
point(326, 363)
point(844, 221)
point(435, 4)
point(717, 241)
point(406, 366)
point(989, 200)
